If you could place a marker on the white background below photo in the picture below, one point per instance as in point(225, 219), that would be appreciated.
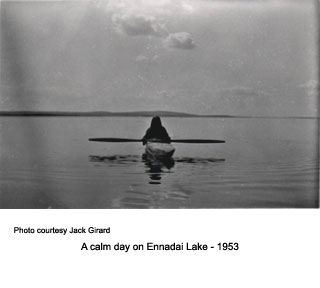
point(277, 248)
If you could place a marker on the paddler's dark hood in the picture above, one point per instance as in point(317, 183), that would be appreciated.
point(156, 123)
point(156, 131)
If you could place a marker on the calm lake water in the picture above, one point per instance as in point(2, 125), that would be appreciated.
point(48, 162)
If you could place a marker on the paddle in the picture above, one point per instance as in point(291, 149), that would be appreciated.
point(194, 141)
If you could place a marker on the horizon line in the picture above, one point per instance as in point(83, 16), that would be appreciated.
point(162, 113)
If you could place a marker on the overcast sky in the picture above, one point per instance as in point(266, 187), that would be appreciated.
point(196, 56)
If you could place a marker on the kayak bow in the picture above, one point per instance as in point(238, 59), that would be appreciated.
point(158, 150)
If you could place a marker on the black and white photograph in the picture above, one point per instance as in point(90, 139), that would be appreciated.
point(192, 104)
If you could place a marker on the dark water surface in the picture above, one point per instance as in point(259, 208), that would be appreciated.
point(47, 162)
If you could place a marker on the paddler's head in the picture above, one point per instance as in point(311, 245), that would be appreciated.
point(156, 122)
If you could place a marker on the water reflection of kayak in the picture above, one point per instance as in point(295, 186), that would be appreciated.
point(158, 156)
point(159, 150)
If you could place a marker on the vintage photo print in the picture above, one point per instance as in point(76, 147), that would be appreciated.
point(159, 104)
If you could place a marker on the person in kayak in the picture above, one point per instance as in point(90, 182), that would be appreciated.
point(156, 132)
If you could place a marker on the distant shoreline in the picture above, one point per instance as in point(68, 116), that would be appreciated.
point(135, 114)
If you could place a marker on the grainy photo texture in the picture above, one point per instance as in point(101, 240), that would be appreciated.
point(159, 104)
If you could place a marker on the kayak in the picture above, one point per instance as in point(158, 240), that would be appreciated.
point(158, 150)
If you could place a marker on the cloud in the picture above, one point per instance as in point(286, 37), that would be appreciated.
point(135, 25)
point(312, 87)
point(311, 84)
point(246, 96)
point(145, 18)
point(141, 58)
point(180, 40)
point(244, 91)
point(244, 100)
point(160, 8)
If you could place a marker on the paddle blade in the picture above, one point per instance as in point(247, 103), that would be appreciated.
point(114, 140)
point(197, 141)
